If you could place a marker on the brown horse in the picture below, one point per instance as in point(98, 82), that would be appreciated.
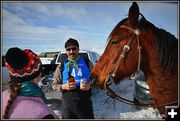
point(136, 44)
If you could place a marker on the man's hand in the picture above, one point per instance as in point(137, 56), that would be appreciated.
point(69, 86)
point(85, 86)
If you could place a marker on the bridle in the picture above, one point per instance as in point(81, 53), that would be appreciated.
point(110, 78)
point(127, 48)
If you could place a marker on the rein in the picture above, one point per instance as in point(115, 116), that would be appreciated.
point(113, 95)
point(110, 78)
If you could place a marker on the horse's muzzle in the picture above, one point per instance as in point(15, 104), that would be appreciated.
point(94, 79)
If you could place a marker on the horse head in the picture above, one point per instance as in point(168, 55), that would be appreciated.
point(136, 44)
point(116, 59)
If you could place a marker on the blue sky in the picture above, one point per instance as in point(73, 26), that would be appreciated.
point(45, 26)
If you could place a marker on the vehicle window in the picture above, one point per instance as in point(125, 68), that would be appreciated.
point(62, 57)
point(94, 57)
point(84, 55)
point(97, 56)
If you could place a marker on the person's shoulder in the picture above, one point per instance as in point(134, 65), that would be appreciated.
point(38, 105)
point(6, 91)
point(42, 108)
point(33, 103)
point(36, 102)
point(6, 94)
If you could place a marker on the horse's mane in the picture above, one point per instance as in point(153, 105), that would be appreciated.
point(167, 44)
point(167, 49)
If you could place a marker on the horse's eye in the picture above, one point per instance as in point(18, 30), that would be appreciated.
point(115, 42)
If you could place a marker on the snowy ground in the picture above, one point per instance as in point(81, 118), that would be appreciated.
point(106, 110)
point(121, 111)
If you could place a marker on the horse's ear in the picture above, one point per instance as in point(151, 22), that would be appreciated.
point(133, 14)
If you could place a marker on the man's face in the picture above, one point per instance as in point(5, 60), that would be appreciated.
point(72, 52)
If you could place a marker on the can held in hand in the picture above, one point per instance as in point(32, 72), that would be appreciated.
point(83, 81)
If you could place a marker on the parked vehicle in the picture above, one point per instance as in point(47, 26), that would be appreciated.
point(48, 67)
point(141, 92)
point(89, 55)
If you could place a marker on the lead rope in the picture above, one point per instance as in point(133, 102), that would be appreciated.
point(113, 100)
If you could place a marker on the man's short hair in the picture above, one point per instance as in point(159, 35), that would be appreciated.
point(71, 41)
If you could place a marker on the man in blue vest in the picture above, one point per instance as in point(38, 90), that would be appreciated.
point(72, 79)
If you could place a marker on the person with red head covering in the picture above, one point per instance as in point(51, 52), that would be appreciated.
point(24, 99)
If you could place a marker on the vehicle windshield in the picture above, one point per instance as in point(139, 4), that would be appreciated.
point(63, 56)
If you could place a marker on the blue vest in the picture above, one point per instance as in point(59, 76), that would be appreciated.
point(82, 72)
